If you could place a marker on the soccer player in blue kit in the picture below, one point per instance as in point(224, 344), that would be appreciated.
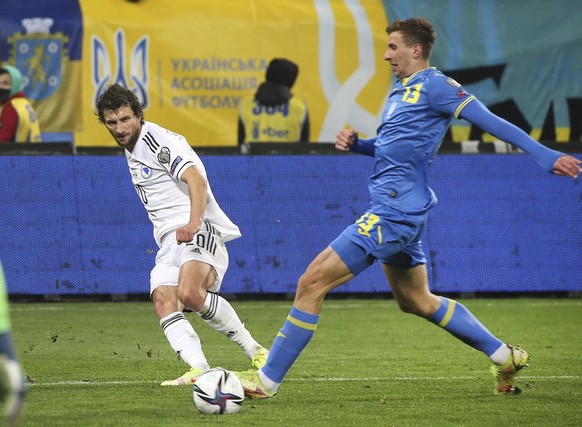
point(419, 110)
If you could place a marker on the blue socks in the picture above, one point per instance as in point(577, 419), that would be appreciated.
point(300, 327)
point(289, 343)
point(454, 317)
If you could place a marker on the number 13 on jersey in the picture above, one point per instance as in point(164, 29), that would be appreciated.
point(412, 93)
point(366, 225)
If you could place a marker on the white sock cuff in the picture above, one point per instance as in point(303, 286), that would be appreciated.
point(500, 355)
point(172, 320)
point(210, 307)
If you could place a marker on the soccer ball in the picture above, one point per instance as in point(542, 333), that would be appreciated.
point(218, 392)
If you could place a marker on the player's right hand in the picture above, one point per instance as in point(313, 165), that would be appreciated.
point(186, 233)
point(345, 139)
point(568, 166)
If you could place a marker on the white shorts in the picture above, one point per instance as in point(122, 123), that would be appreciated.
point(206, 246)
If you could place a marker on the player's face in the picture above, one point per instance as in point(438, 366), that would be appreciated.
point(123, 125)
point(400, 56)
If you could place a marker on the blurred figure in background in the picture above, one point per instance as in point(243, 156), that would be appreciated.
point(273, 114)
point(18, 121)
point(12, 384)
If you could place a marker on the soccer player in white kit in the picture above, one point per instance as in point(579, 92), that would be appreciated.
point(190, 229)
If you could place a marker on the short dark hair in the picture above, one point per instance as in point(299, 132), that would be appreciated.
point(415, 30)
point(113, 98)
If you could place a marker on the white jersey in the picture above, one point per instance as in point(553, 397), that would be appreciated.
point(156, 164)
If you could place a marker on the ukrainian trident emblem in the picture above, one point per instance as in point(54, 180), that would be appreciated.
point(104, 71)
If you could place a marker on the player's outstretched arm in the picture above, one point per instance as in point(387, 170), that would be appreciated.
point(551, 160)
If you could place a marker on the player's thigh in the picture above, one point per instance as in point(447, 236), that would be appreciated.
point(325, 272)
point(404, 280)
point(164, 280)
point(203, 262)
point(197, 274)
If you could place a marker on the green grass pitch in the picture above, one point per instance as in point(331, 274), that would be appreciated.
point(100, 364)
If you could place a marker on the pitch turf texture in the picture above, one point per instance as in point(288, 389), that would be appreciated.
point(100, 364)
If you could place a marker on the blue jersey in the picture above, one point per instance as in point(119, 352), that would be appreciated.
point(419, 110)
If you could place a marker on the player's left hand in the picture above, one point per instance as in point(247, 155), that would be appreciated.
point(186, 233)
point(345, 139)
point(568, 166)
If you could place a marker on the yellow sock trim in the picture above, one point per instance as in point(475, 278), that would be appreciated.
point(448, 314)
point(303, 325)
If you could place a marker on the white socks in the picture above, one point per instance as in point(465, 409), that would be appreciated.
point(499, 356)
point(184, 340)
point(220, 316)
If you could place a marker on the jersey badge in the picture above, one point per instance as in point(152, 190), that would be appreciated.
point(146, 172)
point(175, 163)
point(164, 155)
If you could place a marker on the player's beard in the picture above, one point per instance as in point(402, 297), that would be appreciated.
point(128, 141)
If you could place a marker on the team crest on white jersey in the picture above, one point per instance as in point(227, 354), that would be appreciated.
point(146, 172)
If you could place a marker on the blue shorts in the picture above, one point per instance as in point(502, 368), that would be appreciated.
point(392, 238)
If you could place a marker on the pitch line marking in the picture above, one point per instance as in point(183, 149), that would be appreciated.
point(287, 304)
point(338, 379)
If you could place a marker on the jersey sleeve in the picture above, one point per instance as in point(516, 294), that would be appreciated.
point(174, 154)
point(481, 116)
point(447, 96)
point(364, 146)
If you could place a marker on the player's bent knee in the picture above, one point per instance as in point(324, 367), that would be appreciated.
point(192, 298)
point(309, 288)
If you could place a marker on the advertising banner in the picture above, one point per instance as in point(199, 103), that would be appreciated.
point(191, 61)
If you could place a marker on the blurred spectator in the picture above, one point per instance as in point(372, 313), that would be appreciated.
point(18, 121)
point(273, 114)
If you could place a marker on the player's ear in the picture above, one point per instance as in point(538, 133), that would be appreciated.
point(417, 51)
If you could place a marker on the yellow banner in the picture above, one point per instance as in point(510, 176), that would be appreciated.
point(191, 61)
